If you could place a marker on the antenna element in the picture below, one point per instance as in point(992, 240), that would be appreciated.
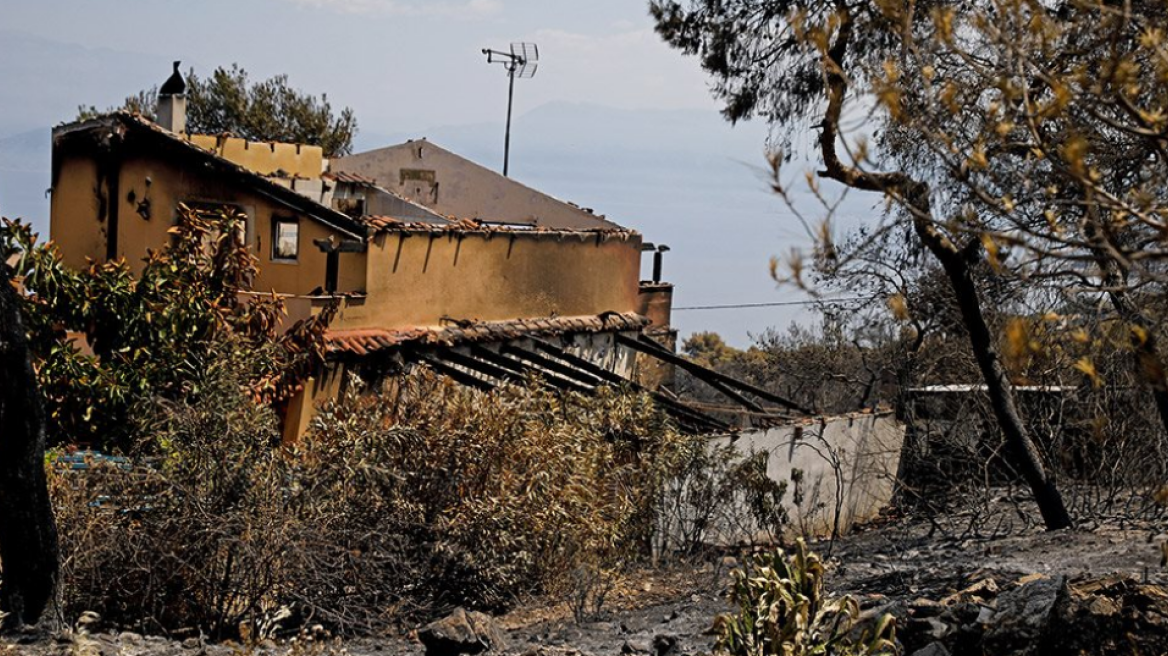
point(522, 62)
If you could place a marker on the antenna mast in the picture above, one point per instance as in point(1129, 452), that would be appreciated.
point(521, 62)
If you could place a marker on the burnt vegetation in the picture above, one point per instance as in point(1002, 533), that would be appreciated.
point(405, 499)
point(1008, 306)
point(1019, 149)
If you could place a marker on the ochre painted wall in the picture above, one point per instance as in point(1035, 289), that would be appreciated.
point(263, 157)
point(78, 225)
point(419, 278)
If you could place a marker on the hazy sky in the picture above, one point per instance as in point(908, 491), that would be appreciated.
point(418, 61)
point(413, 68)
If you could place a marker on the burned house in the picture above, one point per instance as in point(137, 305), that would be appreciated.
point(433, 260)
point(483, 293)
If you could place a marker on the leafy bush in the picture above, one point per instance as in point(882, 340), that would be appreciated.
point(193, 537)
point(153, 334)
point(780, 607)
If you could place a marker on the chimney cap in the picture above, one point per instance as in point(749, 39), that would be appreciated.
point(175, 85)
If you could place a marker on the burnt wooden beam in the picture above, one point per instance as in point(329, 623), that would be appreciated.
point(512, 366)
point(558, 382)
point(542, 362)
point(481, 366)
point(515, 367)
point(735, 396)
point(543, 365)
point(581, 363)
point(339, 246)
point(675, 408)
point(458, 375)
point(649, 347)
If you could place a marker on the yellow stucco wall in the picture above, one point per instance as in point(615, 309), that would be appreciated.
point(79, 229)
point(265, 158)
point(419, 279)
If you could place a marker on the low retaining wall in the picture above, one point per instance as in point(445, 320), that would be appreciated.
point(839, 471)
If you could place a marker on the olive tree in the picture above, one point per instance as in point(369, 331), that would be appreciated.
point(228, 101)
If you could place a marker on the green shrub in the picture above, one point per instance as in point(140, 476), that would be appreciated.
point(153, 333)
point(780, 608)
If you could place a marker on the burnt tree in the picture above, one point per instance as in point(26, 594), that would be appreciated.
point(914, 196)
point(28, 533)
point(787, 60)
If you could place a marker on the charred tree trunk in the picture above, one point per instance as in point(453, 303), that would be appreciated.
point(28, 532)
point(1026, 455)
point(914, 196)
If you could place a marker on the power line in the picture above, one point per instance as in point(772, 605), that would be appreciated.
point(742, 306)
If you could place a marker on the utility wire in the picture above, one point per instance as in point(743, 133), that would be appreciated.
point(741, 306)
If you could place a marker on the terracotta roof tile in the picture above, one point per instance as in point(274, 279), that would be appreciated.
point(351, 178)
point(366, 340)
point(384, 223)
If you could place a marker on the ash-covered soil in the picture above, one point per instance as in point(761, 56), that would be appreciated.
point(943, 578)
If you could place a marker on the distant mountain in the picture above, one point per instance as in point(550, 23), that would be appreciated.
point(44, 81)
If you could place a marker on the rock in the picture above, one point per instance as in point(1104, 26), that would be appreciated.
point(925, 608)
point(932, 628)
point(919, 632)
point(462, 632)
point(984, 590)
point(636, 647)
point(1024, 616)
point(1102, 607)
point(932, 649)
point(665, 645)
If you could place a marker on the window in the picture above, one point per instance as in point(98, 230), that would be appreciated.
point(285, 239)
point(216, 212)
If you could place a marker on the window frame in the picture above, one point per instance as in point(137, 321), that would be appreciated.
point(277, 222)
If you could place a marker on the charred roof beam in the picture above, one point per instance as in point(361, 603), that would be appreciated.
point(671, 406)
point(715, 379)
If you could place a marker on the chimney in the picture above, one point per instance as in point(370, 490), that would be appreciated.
point(172, 102)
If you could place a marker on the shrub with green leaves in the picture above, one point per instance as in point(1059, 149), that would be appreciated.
point(781, 609)
point(153, 333)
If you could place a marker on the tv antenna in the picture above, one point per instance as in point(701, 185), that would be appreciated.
point(521, 62)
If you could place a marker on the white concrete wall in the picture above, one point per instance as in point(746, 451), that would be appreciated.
point(849, 463)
